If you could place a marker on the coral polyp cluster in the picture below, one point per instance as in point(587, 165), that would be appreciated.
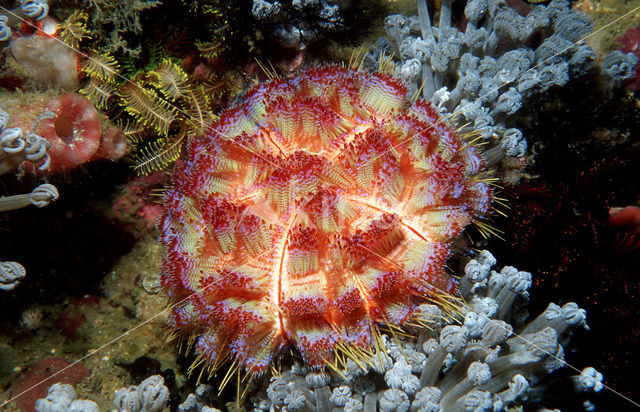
point(321, 206)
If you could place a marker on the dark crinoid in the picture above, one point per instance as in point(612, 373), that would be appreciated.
point(587, 161)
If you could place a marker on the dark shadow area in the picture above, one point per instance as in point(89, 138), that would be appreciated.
point(587, 160)
point(68, 247)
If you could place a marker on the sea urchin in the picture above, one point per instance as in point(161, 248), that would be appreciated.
point(319, 207)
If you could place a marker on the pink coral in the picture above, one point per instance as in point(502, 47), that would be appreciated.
point(625, 218)
point(76, 136)
point(74, 133)
point(630, 41)
point(137, 206)
point(72, 126)
point(113, 144)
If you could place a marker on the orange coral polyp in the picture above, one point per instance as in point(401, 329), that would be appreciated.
point(321, 206)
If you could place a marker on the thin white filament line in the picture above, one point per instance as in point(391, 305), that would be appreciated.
point(127, 332)
point(107, 68)
point(186, 298)
point(523, 73)
point(554, 356)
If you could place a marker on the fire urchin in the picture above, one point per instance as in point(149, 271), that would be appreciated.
point(316, 209)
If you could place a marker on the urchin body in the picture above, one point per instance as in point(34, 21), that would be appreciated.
point(321, 206)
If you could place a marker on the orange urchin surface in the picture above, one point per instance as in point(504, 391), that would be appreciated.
point(317, 208)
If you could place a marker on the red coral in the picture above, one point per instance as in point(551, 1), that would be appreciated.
point(71, 319)
point(11, 83)
point(68, 323)
point(624, 217)
point(631, 44)
point(113, 144)
point(74, 134)
point(32, 384)
point(73, 127)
